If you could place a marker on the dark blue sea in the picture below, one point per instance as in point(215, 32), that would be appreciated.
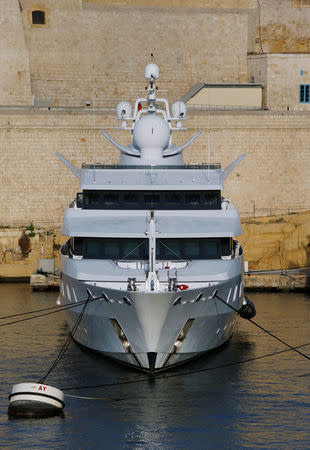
point(235, 398)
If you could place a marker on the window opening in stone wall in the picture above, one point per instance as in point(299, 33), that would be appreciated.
point(38, 17)
point(304, 93)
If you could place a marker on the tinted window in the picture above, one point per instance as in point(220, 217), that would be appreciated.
point(192, 248)
point(92, 199)
point(131, 199)
point(111, 199)
point(173, 199)
point(226, 246)
point(210, 249)
point(168, 249)
point(192, 199)
point(138, 249)
point(77, 246)
point(210, 199)
point(151, 199)
point(180, 200)
point(104, 248)
point(110, 248)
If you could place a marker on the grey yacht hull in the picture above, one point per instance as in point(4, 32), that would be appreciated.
point(152, 330)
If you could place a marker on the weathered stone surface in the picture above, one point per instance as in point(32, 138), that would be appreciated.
point(44, 244)
point(281, 282)
point(277, 242)
point(14, 58)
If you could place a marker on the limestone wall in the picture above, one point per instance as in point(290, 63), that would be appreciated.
point(36, 187)
point(94, 50)
point(281, 76)
point(278, 242)
point(284, 26)
point(43, 243)
point(14, 59)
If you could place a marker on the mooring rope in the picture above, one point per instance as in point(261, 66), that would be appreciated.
point(69, 338)
point(90, 298)
point(55, 309)
point(262, 328)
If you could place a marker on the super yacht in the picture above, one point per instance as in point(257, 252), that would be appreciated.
point(153, 242)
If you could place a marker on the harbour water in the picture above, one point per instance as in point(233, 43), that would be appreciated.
point(234, 398)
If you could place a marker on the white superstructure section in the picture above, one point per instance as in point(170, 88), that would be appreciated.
point(140, 178)
point(153, 238)
point(118, 223)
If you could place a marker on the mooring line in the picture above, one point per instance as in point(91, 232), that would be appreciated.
point(69, 338)
point(61, 308)
point(92, 398)
point(56, 307)
point(262, 328)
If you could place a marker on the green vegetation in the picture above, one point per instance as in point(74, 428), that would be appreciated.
point(31, 229)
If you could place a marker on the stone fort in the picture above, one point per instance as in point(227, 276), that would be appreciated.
point(242, 67)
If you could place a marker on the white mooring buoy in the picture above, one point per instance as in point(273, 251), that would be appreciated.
point(35, 400)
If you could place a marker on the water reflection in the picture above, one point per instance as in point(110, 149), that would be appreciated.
point(261, 403)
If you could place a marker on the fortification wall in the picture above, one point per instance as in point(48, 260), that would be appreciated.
point(36, 187)
point(281, 26)
point(85, 47)
point(94, 50)
point(14, 59)
point(281, 76)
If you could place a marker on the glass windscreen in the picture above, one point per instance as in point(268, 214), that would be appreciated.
point(138, 249)
point(150, 199)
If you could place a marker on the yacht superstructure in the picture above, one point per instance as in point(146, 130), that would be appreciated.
point(155, 240)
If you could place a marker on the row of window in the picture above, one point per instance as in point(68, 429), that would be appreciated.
point(149, 200)
point(138, 249)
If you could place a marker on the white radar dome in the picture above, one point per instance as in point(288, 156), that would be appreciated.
point(124, 110)
point(151, 132)
point(178, 109)
point(151, 72)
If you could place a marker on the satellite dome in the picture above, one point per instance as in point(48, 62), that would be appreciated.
point(123, 110)
point(151, 132)
point(178, 110)
point(151, 72)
